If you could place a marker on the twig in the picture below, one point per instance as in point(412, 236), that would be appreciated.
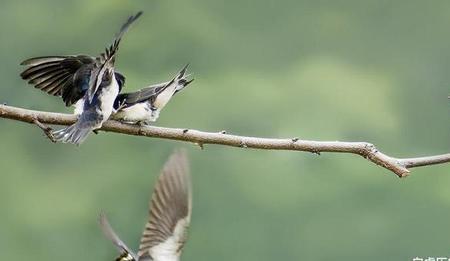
point(398, 166)
point(46, 129)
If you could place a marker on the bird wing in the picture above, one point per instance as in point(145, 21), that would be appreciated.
point(111, 235)
point(55, 75)
point(151, 92)
point(106, 60)
point(170, 212)
point(129, 99)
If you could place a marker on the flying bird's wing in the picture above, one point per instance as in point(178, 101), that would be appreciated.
point(111, 235)
point(105, 61)
point(55, 75)
point(170, 212)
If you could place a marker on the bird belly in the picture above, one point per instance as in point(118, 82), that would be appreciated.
point(78, 107)
point(106, 99)
point(137, 112)
point(98, 111)
point(170, 249)
point(155, 115)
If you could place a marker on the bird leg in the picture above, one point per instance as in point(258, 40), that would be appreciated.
point(142, 123)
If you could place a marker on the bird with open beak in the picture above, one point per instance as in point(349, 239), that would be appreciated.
point(144, 106)
point(169, 216)
point(76, 78)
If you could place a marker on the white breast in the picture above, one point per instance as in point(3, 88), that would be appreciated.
point(107, 97)
point(78, 107)
point(137, 112)
point(170, 249)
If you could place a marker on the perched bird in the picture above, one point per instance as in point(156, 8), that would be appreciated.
point(145, 105)
point(169, 216)
point(90, 81)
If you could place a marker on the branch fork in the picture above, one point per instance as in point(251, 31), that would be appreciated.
point(46, 129)
point(399, 166)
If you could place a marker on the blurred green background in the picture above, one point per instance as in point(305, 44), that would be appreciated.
point(375, 71)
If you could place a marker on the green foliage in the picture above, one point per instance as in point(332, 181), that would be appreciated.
point(373, 71)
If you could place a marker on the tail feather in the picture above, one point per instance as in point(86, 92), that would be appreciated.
point(182, 80)
point(129, 99)
point(73, 134)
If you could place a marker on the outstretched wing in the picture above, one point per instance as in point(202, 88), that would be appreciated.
point(106, 60)
point(111, 235)
point(55, 75)
point(170, 212)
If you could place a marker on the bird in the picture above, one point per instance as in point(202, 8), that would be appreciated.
point(145, 105)
point(170, 209)
point(92, 80)
point(138, 106)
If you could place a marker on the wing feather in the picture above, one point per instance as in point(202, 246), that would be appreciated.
point(170, 211)
point(111, 235)
point(46, 82)
point(42, 59)
point(151, 92)
point(106, 60)
point(54, 88)
point(43, 75)
point(36, 70)
point(52, 73)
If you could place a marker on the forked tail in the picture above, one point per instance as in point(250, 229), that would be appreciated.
point(74, 134)
point(181, 79)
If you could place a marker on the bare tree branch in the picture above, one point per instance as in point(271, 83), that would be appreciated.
point(367, 150)
point(46, 129)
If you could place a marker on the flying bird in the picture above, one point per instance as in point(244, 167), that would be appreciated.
point(145, 105)
point(91, 80)
point(169, 216)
